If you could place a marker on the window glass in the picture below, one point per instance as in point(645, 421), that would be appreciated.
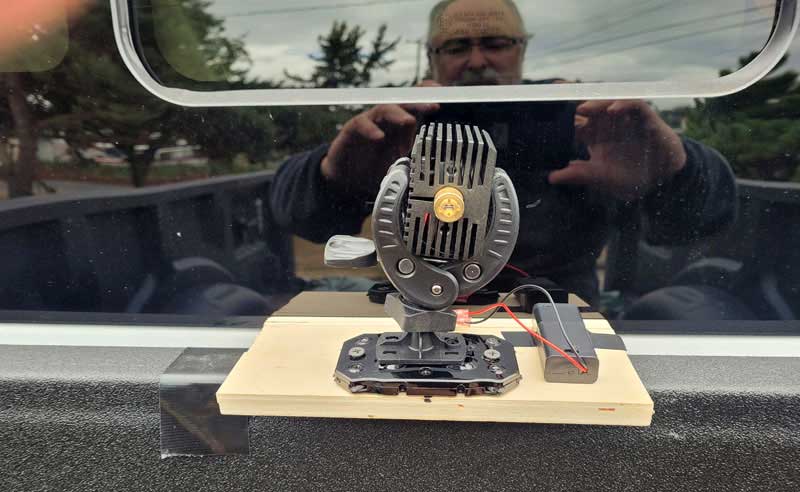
point(112, 200)
point(289, 43)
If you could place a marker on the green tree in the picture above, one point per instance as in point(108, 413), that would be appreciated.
point(757, 129)
point(344, 62)
point(194, 44)
point(91, 96)
point(19, 173)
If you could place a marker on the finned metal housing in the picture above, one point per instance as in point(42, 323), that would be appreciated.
point(461, 156)
point(405, 227)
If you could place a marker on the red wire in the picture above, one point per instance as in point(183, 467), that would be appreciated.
point(519, 270)
point(533, 333)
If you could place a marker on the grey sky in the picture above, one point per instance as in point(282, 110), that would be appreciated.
point(278, 40)
point(608, 40)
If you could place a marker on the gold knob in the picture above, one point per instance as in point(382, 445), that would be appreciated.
point(448, 204)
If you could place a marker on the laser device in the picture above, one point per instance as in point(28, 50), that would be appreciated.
point(445, 222)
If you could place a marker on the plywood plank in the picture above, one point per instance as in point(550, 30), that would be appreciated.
point(356, 304)
point(289, 372)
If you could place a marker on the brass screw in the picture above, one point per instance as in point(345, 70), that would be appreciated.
point(448, 204)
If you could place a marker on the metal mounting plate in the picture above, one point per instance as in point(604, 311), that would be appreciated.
point(475, 376)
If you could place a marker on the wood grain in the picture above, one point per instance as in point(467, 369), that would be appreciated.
point(288, 371)
point(356, 304)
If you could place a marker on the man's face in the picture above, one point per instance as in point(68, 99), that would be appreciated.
point(477, 42)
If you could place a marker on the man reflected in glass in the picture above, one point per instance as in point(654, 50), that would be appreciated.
point(580, 169)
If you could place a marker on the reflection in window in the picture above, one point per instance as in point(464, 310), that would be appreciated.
point(385, 42)
point(85, 128)
point(34, 37)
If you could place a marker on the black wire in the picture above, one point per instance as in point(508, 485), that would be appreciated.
point(511, 293)
point(555, 311)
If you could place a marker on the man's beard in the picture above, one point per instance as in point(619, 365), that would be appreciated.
point(486, 76)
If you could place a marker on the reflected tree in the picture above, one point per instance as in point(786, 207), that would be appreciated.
point(91, 97)
point(345, 61)
point(757, 129)
point(41, 46)
point(19, 171)
point(193, 43)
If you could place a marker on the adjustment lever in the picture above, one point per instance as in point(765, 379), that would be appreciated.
point(350, 252)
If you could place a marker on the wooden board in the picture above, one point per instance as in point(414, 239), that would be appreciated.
point(288, 371)
point(356, 304)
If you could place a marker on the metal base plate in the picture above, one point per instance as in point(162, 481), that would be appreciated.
point(489, 367)
point(421, 348)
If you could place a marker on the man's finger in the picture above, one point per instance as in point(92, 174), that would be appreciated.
point(365, 127)
point(630, 106)
point(590, 108)
point(576, 173)
point(420, 109)
point(588, 132)
point(393, 115)
point(429, 83)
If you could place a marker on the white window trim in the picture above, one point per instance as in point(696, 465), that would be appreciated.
point(775, 48)
point(40, 334)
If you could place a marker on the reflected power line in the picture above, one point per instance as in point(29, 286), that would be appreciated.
point(664, 27)
point(644, 9)
point(308, 8)
point(663, 41)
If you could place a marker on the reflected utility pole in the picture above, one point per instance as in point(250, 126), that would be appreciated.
point(419, 42)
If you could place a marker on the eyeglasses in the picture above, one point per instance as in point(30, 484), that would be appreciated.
point(488, 44)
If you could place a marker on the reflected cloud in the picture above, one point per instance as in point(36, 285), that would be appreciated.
point(618, 40)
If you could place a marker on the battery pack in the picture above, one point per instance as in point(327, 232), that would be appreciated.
point(557, 369)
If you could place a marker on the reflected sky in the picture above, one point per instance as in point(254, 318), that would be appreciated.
point(612, 40)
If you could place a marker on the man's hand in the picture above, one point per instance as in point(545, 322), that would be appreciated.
point(369, 143)
point(631, 149)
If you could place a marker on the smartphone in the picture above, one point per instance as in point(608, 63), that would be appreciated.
point(531, 137)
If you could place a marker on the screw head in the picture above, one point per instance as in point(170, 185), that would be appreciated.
point(492, 341)
point(405, 266)
point(472, 271)
point(362, 341)
point(425, 372)
point(491, 355)
point(355, 368)
point(356, 353)
point(436, 289)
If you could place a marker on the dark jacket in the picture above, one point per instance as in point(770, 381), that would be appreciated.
point(563, 228)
